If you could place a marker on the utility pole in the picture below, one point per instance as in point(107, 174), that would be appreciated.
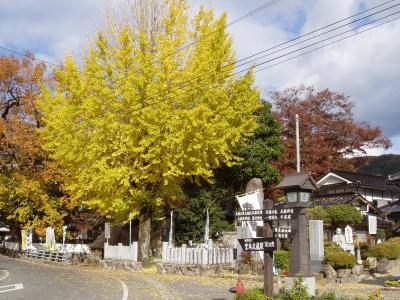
point(297, 144)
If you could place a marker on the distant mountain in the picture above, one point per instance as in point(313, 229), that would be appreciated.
point(378, 165)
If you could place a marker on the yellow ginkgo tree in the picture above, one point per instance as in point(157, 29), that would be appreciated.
point(144, 112)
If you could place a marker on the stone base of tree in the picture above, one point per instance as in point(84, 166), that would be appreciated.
point(129, 266)
point(308, 282)
point(193, 270)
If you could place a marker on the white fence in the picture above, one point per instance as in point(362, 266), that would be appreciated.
point(197, 256)
point(121, 252)
point(69, 248)
point(11, 246)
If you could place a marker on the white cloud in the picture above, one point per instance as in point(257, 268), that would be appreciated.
point(365, 67)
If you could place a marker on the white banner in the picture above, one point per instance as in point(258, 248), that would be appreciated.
point(372, 224)
point(64, 235)
point(29, 239)
point(50, 239)
point(107, 231)
point(251, 201)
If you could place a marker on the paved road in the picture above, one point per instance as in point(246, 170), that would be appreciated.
point(20, 279)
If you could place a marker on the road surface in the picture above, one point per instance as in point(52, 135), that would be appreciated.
point(21, 279)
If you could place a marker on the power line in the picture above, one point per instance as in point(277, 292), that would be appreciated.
point(281, 56)
point(253, 12)
point(247, 15)
point(292, 40)
point(326, 45)
point(186, 83)
point(24, 54)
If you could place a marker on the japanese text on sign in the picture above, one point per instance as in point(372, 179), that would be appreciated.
point(253, 212)
point(258, 244)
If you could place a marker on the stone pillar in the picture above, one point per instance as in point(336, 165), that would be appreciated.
point(299, 247)
point(135, 250)
point(164, 252)
point(204, 255)
point(316, 228)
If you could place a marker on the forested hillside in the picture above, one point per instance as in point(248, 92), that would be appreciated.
point(379, 165)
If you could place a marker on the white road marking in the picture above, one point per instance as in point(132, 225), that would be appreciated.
point(6, 274)
point(124, 288)
point(18, 286)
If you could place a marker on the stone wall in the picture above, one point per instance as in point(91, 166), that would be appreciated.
point(193, 270)
point(129, 266)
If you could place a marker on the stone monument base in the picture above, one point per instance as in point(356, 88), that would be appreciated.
point(308, 282)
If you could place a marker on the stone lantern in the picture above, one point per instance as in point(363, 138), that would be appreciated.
point(298, 190)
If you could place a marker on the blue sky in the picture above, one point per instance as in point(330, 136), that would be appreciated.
point(365, 67)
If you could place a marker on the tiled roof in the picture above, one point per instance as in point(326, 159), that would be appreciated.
point(330, 200)
point(369, 181)
point(395, 178)
point(345, 198)
point(298, 180)
point(393, 207)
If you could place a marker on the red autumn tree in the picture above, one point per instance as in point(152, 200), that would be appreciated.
point(30, 185)
point(328, 131)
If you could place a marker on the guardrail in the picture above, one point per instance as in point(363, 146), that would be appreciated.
point(47, 255)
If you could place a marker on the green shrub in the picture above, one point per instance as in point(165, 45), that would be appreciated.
point(327, 296)
point(252, 294)
point(299, 291)
point(380, 234)
point(395, 240)
point(282, 259)
point(389, 250)
point(340, 260)
point(332, 247)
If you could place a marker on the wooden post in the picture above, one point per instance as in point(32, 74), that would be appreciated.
point(268, 261)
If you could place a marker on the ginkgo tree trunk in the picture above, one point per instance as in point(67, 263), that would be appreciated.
point(139, 116)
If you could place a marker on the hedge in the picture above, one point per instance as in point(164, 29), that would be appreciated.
point(389, 250)
point(340, 260)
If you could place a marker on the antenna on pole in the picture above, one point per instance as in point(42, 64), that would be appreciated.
point(297, 144)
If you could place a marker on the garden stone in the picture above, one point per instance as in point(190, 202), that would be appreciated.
point(372, 262)
point(382, 266)
point(378, 275)
point(343, 273)
point(328, 271)
point(330, 280)
point(317, 275)
point(357, 270)
point(392, 264)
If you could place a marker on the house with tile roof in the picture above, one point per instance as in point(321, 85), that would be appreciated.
point(394, 179)
point(368, 193)
point(373, 190)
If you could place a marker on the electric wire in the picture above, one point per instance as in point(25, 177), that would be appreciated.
point(247, 15)
point(326, 45)
point(286, 54)
point(212, 72)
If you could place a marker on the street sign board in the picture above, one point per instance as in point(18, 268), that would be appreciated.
point(250, 218)
point(265, 214)
point(278, 214)
point(107, 231)
point(252, 212)
point(258, 244)
point(282, 232)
